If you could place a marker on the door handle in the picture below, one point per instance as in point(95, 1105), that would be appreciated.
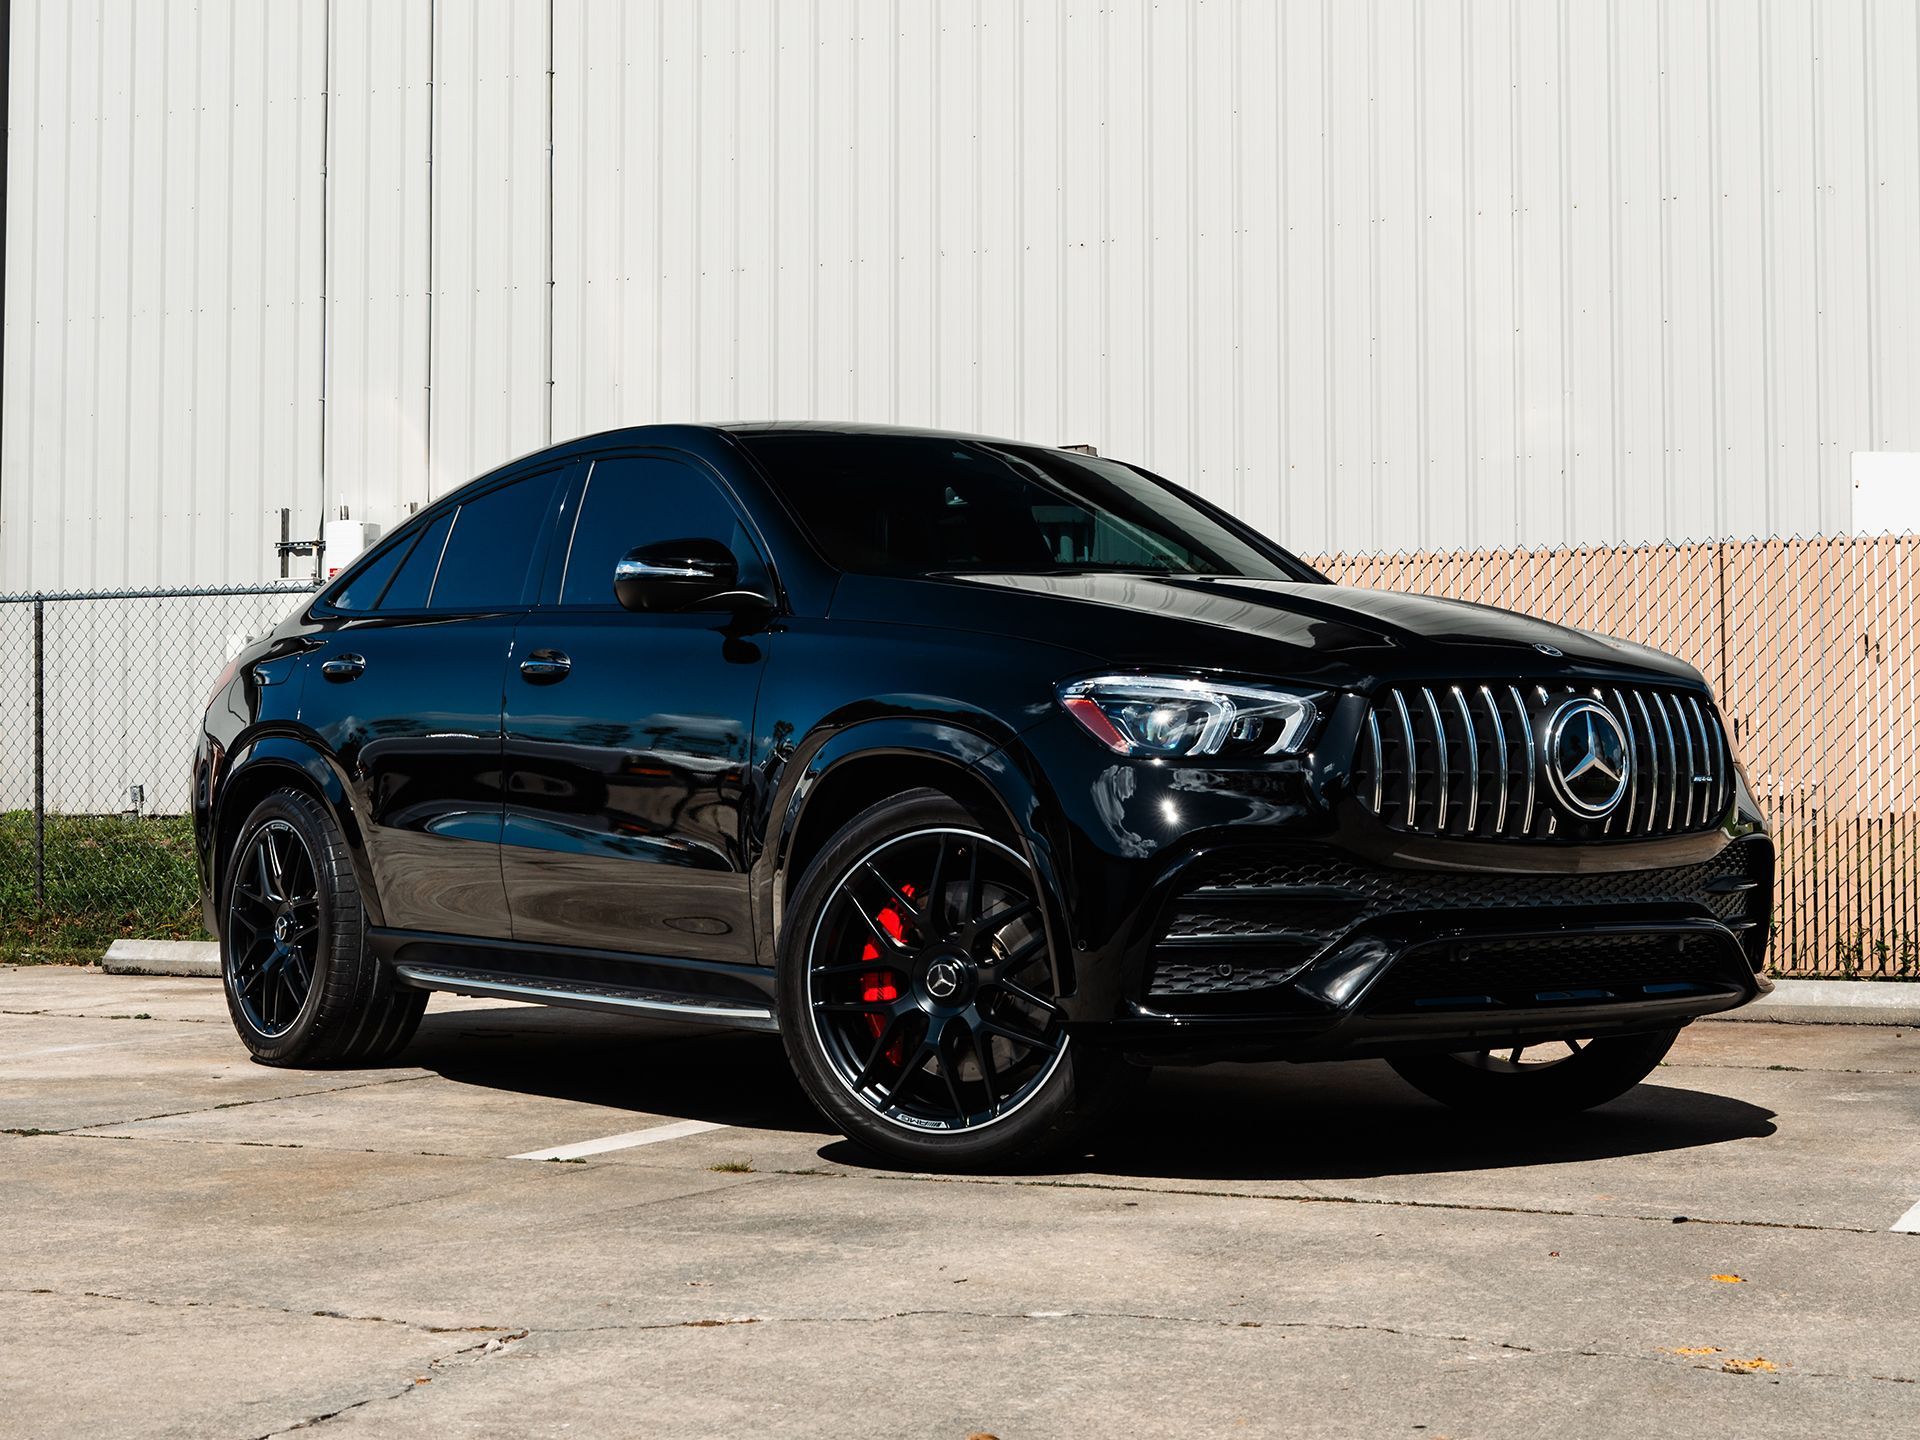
point(344, 667)
point(543, 667)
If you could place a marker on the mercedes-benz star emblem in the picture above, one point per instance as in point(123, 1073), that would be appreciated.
point(943, 979)
point(1588, 763)
point(1553, 650)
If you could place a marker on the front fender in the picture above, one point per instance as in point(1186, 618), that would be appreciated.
point(804, 777)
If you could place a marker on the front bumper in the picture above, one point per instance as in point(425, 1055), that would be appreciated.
point(1442, 983)
point(1227, 915)
point(1291, 954)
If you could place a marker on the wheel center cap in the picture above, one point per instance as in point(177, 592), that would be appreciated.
point(947, 977)
point(282, 926)
point(943, 979)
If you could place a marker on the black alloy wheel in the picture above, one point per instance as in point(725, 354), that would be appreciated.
point(919, 997)
point(302, 986)
point(930, 981)
point(273, 925)
point(1545, 1078)
point(1521, 1059)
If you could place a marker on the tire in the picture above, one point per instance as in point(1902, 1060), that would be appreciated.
point(980, 1075)
point(1520, 1085)
point(304, 989)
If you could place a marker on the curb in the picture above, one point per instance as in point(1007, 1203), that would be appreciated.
point(1834, 1002)
point(198, 958)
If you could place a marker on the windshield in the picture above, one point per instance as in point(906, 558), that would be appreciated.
point(924, 505)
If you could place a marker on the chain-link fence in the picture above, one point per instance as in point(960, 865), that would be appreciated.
point(1810, 645)
point(101, 695)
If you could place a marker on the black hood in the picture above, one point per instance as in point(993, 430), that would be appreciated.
point(1343, 633)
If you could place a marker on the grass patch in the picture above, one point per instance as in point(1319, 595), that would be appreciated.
point(109, 878)
point(733, 1167)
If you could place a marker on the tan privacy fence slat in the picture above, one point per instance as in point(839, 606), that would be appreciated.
point(1811, 647)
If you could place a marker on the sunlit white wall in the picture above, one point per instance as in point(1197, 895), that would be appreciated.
point(1375, 274)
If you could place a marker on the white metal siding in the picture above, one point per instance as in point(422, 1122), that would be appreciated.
point(376, 274)
point(163, 262)
point(1374, 274)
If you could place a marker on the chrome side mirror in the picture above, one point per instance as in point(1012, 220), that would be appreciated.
point(673, 575)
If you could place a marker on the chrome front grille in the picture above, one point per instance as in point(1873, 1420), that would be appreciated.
point(1468, 760)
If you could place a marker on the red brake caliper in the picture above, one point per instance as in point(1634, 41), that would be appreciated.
point(881, 986)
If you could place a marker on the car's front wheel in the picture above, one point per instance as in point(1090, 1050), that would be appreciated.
point(918, 994)
point(302, 986)
point(1534, 1081)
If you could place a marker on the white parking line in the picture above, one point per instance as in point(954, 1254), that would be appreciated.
point(678, 1130)
point(1909, 1223)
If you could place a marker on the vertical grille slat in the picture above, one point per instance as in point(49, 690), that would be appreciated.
point(1653, 762)
point(1412, 759)
point(1472, 767)
point(1709, 751)
point(1473, 760)
point(1686, 734)
point(1533, 764)
point(1673, 758)
point(1723, 761)
point(1500, 764)
point(1440, 756)
point(1633, 759)
point(1547, 812)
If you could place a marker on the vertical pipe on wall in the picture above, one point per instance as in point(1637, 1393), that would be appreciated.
point(326, 250)
point(546, 337)
point(433, 107)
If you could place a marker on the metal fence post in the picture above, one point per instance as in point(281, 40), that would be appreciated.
point(39, 752)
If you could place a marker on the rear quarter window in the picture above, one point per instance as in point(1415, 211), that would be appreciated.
point(364, 587)
point(414, 582)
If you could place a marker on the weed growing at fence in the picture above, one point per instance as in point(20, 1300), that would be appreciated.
point(108, 878)
point(1867, 958)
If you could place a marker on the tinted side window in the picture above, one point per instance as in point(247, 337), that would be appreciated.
point(364, 586)
point(414, 583)
point(635, 502)
point(495, 539)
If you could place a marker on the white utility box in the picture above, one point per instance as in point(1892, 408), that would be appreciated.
point(346, 542)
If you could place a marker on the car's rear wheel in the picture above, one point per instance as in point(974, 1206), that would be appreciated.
point(302, 987)
point(919, 996)
point(1530, 1081)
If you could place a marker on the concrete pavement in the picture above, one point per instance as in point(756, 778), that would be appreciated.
point(203, 1246)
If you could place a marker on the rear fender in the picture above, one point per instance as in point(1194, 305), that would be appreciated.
point(259, 765)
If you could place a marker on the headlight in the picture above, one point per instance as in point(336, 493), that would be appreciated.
point(1175, 716)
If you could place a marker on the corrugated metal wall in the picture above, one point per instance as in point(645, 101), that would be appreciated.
point(164, 240)
point(1375, 274)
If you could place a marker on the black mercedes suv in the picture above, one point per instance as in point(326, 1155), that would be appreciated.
point(986, 774)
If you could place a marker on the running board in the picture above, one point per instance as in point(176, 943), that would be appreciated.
point(585, 996)
point(667, 987)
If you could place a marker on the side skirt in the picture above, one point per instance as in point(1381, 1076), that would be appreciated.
point(701, 992)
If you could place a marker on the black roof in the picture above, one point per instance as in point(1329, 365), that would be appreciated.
point(859, 427)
